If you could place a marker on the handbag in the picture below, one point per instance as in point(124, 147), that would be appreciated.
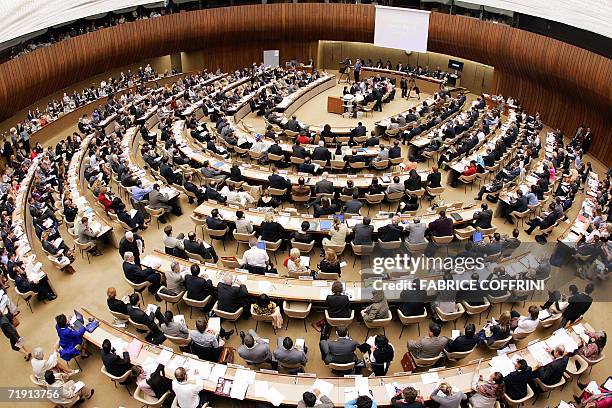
point(407, 362)
point(227, 355)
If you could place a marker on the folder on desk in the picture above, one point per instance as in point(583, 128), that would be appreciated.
point(325, 225)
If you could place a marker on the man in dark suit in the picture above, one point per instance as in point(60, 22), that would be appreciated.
point(215, 222)
point(233, 297)
point(434, 178)
point(395, 151)
point(578, 305)
point(298, 150)
point(198, 288)
point(293, 124)
point(195, 246)
point(482, 218)
point(362, 233)
point(339, 351)
point(114, 364)
point(465, 341)
point(192, 188)
point(139, 316)
point(441, 227)
point(360, 130)
point(391, 232)
point(321, 152)
point(549, 219)
point(324, 186)
point(277, 181)
point(516, 382)
point(134, 273)
point(166, 172)
point(353, 206)
point(129, 243)
point(307, 167)
point(552, 372)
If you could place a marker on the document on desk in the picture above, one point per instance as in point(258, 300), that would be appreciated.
point(363, 386)
point(430, 378)
point(264, 286)
point(275, 397)
point(244, 375)
point(164, 357)
point(324, 386)
point(260, 389)
point(502, 363)
point(203, 368)
point(539, 352)
point(350, 394)
point(134, 348)
point(239, 389)
point(562, 338)
point(217, 372)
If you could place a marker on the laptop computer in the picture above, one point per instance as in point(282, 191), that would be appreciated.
point(79, 322)
point(477, 236)
point(261, 245)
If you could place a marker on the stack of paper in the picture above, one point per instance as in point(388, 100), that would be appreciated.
point(324, 386)
point(502, 363)
point(430, 378)
point(275, 397)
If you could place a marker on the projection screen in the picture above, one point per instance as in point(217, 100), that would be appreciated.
point(401, 28)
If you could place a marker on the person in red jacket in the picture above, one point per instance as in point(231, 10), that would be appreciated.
point(470, 170)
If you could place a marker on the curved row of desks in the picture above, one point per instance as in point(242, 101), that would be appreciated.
point(22, 226)
point(268, 385)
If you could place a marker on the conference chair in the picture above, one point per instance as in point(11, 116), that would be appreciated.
point(453, 316)
point(549, 388)
point(551, 321)
point(232, 317)
point(181, 342)
point(173, 299)
point(592, 361)
point(27, 296)
point(215, 234)
point(519, 336)
point(494, 300)
point(486, 232)
point(458, 355)
point(41, 384)
point(576, 366)
point(303, 247)
point(337, 164)
point(200, 304)
point(296, 310)
point(148, 401)
point(142, 328)
point(416, 248)
point(155, 213)
point(463, 234)
point(119, 316)
point(278, 193)
point(379, 324)
point(361, 250)
point(84, 248)
point(332, 276)
point(520, 215)
point(394, 197)
point(427, 362)
point(339, 321)
point(499, 344)
point(118, 379)
point(339, 249)
point(467, 180)
point(242, 238)
point(381, 165)
point(356, 166)
point(519, 402)
point(273, 247)
point(396, 161)
point(374, 199)
point(475, 310)
point(138, 287)
point(390, 245)
point(342, 369)
point(407, 320)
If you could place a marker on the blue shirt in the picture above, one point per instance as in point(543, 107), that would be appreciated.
point(138, 192)
point(533, 200)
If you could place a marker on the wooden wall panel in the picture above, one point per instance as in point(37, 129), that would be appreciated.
point(568, 85)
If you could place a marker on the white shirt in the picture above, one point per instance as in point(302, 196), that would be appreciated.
point(40, 366)
point(526, 325)
point(255, 257)
point(187, 393)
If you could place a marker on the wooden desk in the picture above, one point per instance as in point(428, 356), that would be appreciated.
point(291, 387)
point(335, 105)
point(426, 85)
point(293, 102)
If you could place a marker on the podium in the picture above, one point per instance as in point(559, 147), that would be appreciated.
point(335, 105)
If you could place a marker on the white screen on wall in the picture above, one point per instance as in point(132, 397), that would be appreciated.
point(401, 28)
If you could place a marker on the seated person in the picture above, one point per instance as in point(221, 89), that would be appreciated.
point(516, 382)
point(338, 304)
point(196, 246)
point(114, 364)
point(294, 263)
point(592, 348)
point(155, 383)
point(254, 350)
point(339, 351)
point(64, 392)
point(134, 273)
point(330, 263)
point(256, 260)
point(465, 341)
point(207, 341)
point(353, 206)
point(139, 316)
point(171, 327)
point(408, 203)
point(377, 310)
point(309, 400)
point(552, 372)
point(233, 296)
point(303, 236)
point(407, 398)
point(265, 307)
point(198, 287)
point(525, 324)
point(381, 354)
point(289, 354)
point(430, 346)
point(41, 288)
point(497, 330)
point(40, 365)
point(391, 232)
